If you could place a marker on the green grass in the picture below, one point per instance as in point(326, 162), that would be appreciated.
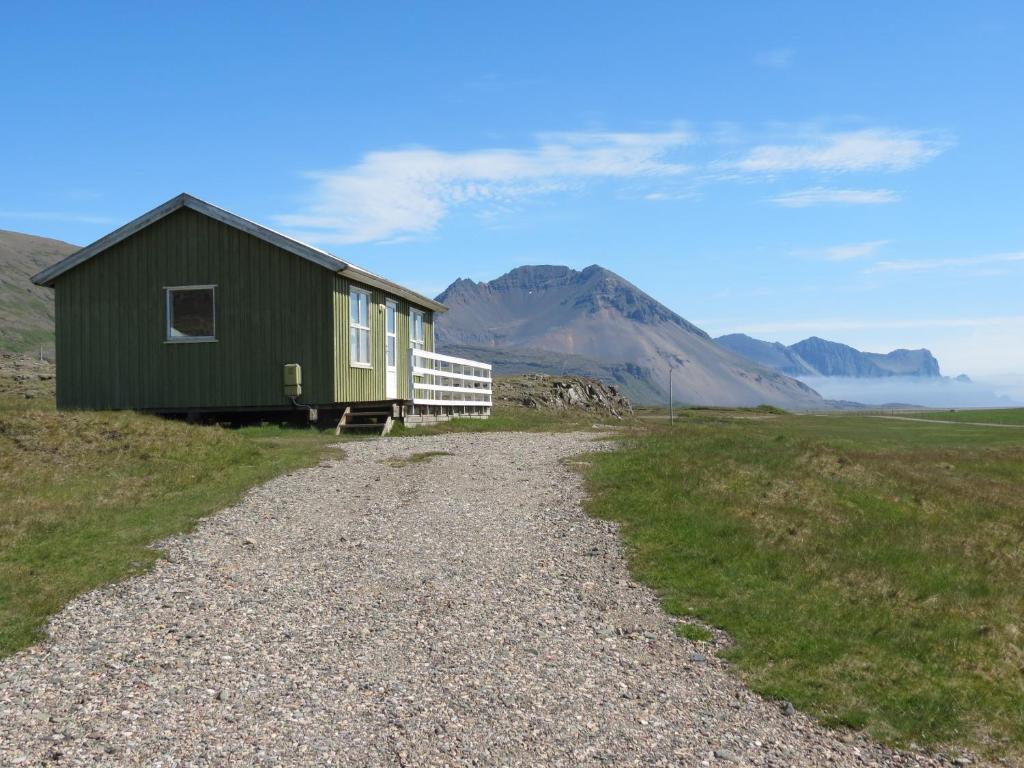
point(693, 632)
point(85, 494)
point(869, 570)
point(983, 416)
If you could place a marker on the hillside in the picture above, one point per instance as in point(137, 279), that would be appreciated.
point(598, 316)
point(26, 310)
point(819, 357)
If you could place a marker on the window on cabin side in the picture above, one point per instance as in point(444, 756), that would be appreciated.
point(391, 332)
point(359, 327)
point(191, 313)
point(417, 332)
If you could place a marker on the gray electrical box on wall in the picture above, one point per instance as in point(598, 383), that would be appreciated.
point(292, 380)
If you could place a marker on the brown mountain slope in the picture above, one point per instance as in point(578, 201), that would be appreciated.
point(26, 310)
point(598, 315)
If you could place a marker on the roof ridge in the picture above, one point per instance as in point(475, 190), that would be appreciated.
point(285, 242)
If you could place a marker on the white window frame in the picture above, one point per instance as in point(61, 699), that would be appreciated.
point(168, 311)
point(415, 343)
point(353, 325)
point(391, 335)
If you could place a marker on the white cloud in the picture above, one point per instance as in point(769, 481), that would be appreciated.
point(684, 194)
point(844, 252)
point(805, 198)
point(394, 195)
point(870, 149)
point(78, 218)
point(921, 265)
point(776, 58)
point(410, 191)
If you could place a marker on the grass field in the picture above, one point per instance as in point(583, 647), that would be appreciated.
point(869, 570)
point(85, 494)
point(985, 416)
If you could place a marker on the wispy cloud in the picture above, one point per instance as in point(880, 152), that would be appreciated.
point(683, 194)
point(410, 191)
point(870, 149)
point(776, 58)
point(395, 195)
point(922, 265)
point(77, 218)
point(843, 252)
point(805, 198)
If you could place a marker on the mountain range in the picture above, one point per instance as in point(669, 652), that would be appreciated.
point(539, 318)
point(557, 320)
point(26, 310)
point(819, 357)
point(815, 356)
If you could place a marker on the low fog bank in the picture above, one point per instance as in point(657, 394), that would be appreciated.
point(913, 390)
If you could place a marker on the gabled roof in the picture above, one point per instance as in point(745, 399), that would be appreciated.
point(317, 256)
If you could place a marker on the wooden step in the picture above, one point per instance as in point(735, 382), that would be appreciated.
point(352, 418)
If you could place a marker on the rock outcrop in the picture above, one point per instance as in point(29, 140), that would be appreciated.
point(560, 393)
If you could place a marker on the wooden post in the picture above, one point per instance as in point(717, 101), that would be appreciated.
point(343, 420)
point(671, 412)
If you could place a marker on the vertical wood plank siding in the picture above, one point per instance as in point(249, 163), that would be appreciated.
point(272, 308)
point(354, 383)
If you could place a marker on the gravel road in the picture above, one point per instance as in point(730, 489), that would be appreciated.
point(456, 611)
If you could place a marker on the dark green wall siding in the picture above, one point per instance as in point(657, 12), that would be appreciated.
point(352, 383)
point(272, 308)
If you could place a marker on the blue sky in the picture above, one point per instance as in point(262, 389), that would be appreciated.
point(784, 169)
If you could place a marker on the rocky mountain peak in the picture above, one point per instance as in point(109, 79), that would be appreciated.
point(534, 277)
point(592, 290)
point(557, 313)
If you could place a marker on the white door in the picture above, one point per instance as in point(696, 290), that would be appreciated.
point(391, 349)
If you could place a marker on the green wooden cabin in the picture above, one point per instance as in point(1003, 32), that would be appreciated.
point(190, 308)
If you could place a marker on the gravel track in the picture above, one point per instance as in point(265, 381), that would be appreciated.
point(457, 611)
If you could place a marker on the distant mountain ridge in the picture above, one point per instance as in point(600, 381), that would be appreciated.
point(815, 356)
point(26, 310)
point(552, 318)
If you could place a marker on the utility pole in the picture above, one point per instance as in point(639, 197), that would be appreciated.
point(671, 412)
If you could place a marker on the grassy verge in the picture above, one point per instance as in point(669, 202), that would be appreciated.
point(869, 570)
point(514, 419)
point(85, 494)
point(985, 416)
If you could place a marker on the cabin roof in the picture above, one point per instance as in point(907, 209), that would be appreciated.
point(326, 260)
